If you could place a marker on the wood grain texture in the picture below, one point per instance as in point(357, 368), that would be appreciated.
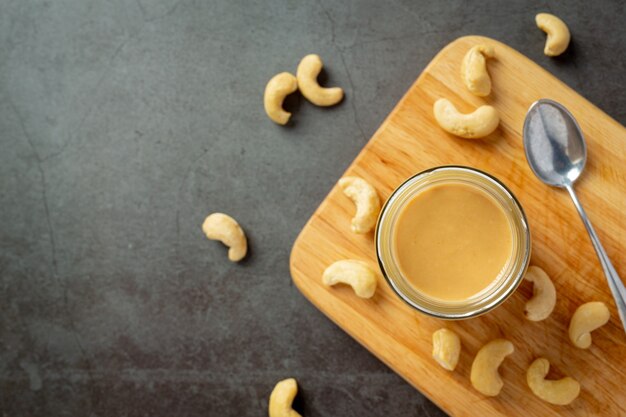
point(410, 141)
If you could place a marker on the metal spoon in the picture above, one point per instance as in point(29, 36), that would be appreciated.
point(556, 151)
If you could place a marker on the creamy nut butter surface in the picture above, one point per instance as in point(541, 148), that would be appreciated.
point(451, 241)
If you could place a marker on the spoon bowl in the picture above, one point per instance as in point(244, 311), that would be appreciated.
point(554, 144)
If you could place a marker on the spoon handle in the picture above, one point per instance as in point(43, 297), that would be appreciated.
point(615, 283)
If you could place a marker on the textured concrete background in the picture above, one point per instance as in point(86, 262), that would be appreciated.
point(124, 123)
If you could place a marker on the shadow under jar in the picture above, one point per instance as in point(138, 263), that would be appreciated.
point(453, 242)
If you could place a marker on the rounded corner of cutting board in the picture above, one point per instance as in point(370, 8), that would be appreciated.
point(295, 249)
point(294, 255)
point(458, 43)
point(467, 40)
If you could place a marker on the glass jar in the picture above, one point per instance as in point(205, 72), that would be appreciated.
point(500, 289)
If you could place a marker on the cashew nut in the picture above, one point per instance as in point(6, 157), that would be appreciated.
point(279, 87)
point(559, 392)
point(358, 274)
point(446, 348)
point(307, 72)
point(478, 124)
point(558, 33)
point(222, 227)
point(366, 200)
point(540, 306)
point(586, 318)
point(484, 376)
point(282, 397)
point(474, 70)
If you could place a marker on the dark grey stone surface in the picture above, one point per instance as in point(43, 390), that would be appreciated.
point(124, 123)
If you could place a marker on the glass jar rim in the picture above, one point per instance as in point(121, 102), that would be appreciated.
point(486, 300)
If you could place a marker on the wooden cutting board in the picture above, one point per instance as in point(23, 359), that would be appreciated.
point(410, 141)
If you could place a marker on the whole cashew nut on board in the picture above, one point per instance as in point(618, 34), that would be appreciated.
point(474, 70)
point(366, 200)
point(558, 33)
point(307, 72)
point(484, 376)
point(559, 392)
point(483, 121)
point(279, 87)
point(586, 318)
point(282, 397)
point(358, 274)
point(446, 348)
point(540, 306)
point(222, 227)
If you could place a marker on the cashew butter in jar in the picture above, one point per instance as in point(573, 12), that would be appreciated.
point(453, 242)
